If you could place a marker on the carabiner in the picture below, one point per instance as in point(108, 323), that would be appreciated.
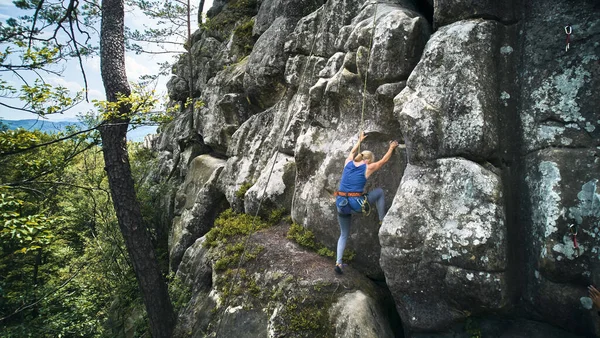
point(568, 29)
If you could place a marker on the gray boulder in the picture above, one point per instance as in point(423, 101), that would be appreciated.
point(450, 106)
point(395, 44)
point(561, 134)
point(319, 31)
point(563, 193)
point(197, 204)
point(444, 244)
point(278, 298)
point(263, 80)
point(225, 107)
point(358, 315)
point(270, 10)
point(446, 12)
point(274, 188)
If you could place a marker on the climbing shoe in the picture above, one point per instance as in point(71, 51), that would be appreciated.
point(338, 269)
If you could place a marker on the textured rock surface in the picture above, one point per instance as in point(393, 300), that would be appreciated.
point(450, 105)
point(266, 65)
point(444, 243)
point(448, 11)
point(197, 203)
point(502, 138)
point(561, 139)
point(270, 10)
point(358, 315)
point(280, 300)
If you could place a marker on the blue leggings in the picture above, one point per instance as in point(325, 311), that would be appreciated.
point(376, 198)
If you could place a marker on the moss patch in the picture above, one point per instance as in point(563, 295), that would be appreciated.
point(237, 282)
point(306, 238)
point(229, 224)
point(237, 11)
point(242, 280)
point(243, 189)
point(242, 37)
point(304, 317)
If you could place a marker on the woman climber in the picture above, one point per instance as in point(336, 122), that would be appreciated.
point(351, 197)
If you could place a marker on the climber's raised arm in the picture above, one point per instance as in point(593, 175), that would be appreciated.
point(373, 167)
point(352, 154)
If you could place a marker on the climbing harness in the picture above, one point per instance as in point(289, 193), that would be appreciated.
point(365, 206)
point(348, 194)
point(568, 31)
point(573, 232)
point(343, 204)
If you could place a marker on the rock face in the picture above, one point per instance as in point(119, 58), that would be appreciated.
point(444, 243)
point(269, 296)
point(197, 203)
point(501, 164)
point(561, 139)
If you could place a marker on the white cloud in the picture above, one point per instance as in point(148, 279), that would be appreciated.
point(92, 63)
point(96, 95)
point(6, 3)
point(135, 68)
point(72, 86)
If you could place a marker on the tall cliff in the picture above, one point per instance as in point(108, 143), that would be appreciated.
point(501, 165)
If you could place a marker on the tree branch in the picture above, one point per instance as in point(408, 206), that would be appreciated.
point(14, 152)
point(25, 307)
point(74, 39)
point(35, 16)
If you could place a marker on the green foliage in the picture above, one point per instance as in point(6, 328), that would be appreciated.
point(242, 37)
point(232, 254)
point(302, 236)
point(236, 11)
point(473, 328)
point(176, 108)
point(276, 215)
point(179, 292)
point(168, 28)
point(45, 99)
point(64, 270)
point(306, 318)
point(19, 139)
point(36, 46)
point(306, 238)
point(243, 189)
point(237, 282)
point(28, 232)
point(230, 224)
point(138, 107)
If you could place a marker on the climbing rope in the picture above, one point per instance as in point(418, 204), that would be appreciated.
point(364, 97)
point(282, 134)
point(252, 225)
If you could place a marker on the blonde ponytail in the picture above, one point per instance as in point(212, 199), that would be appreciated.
point(365, 155)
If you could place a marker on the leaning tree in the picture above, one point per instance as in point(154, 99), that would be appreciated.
point(114, 147)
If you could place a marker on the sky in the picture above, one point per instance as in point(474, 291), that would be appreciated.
point(136, 66)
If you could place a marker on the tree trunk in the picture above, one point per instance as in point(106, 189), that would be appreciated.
point(190, 54)
point(114, 147)
point(200, 10)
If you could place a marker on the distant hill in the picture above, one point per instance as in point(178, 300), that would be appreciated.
point(136, 135)
point(45, 126)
